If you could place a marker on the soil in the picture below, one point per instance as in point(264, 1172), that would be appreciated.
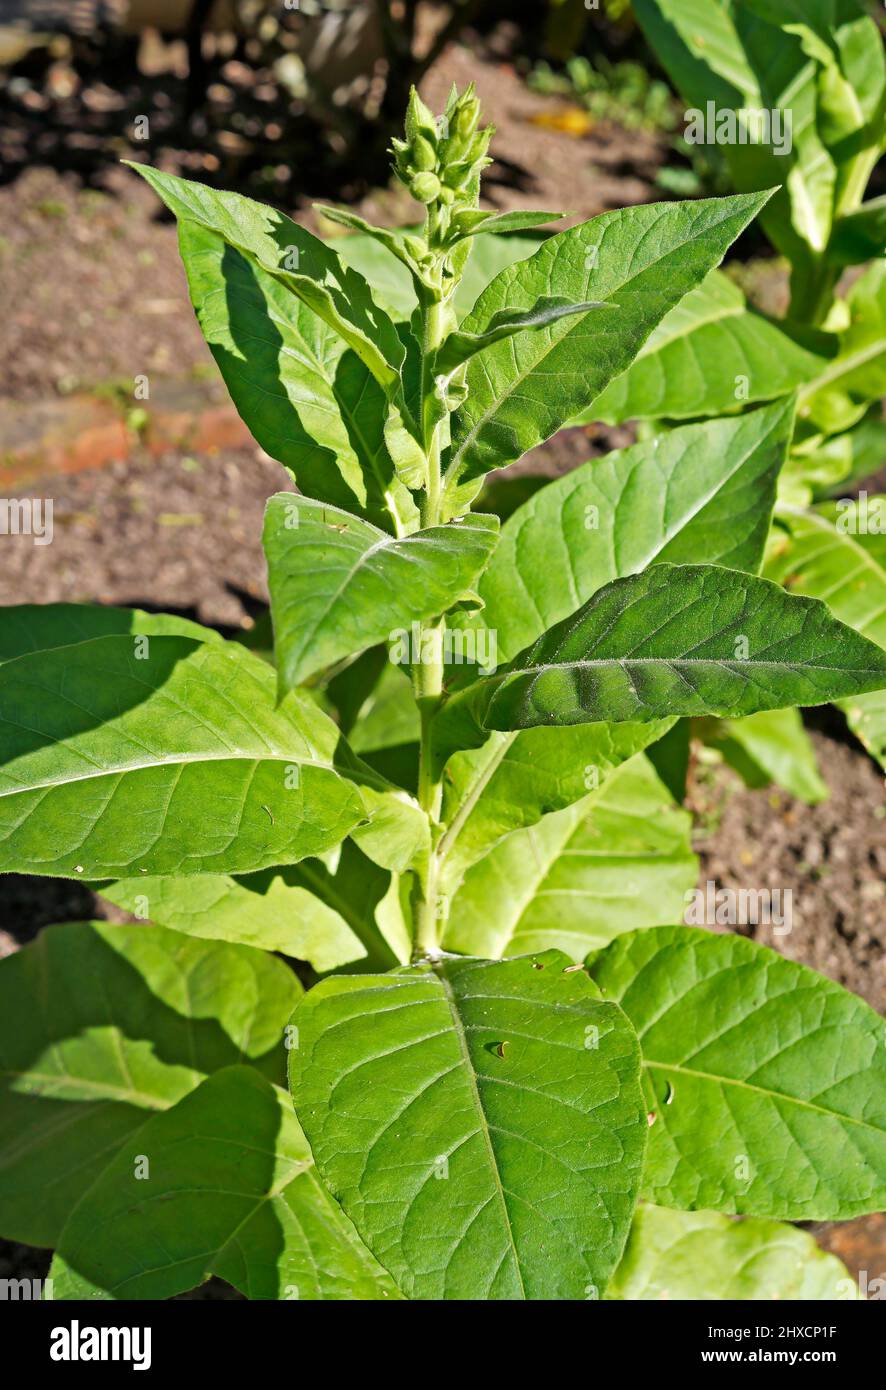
point(94, 295)
point(832, 857)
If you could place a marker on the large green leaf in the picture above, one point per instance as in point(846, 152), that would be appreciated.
point(699, 493)
point(673, 640)
point(642, 260)
point(709, 356)
point(270, 909)
point(617, 860)
point(816, 553)
point(481, 1123)
point(516, 779)
point(339, 585)
point(767, 1082)
point(702, 1256)
point(305, 396)
point(165, 755)
point(35, 627)
point(103, 1025)
point(231, 1191)
point(307, 355)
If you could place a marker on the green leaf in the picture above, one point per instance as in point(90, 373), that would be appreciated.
point(770, 747)
point(863, 448)
point(860, 236)
point(339, 585)
point(616, 860)
point(673, 640)
point(709, 356)
point(841, 392)
point(388, 717)
point(475, 223)
point(310, 270)
point(36, 627)
point(473, 1120)
point(271, 910)
point(701, 1256)
point(324, 913)
point(516, 779)
point(820, 467)
point(816, 553)
point(699, 493)
point(644, 259)
point(787, 1069)
point(307, 398)
point(390, 238)
point(104, 1025)
point(365, 897)
point(459, 347)
point(168, 757)
point(232, 1192)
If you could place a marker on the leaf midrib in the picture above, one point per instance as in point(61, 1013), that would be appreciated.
point(762, 1090)
point(844, 366)
point(468, 802)
point(718, 661)
point(483, 1130)
point(175, 761)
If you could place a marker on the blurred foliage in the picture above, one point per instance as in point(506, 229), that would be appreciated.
point(628, 94)
point(623, 92)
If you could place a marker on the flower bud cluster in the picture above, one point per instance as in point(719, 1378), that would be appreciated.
point(441, 159)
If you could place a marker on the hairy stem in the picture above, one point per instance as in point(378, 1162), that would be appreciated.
point(428, 672)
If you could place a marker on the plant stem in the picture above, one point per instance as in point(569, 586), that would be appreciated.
point(428, 671)
point(812, 292)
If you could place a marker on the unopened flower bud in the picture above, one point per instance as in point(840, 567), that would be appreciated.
point(425, 187)
point(457, 175)
point(423, 154)
point(466, 118)
point(419, 119)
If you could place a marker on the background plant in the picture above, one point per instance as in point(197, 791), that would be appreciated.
point(822, 67)
point(484, 1084)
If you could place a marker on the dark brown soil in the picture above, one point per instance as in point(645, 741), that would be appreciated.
point(832, 857)
point(92, 287)
point(177, 533)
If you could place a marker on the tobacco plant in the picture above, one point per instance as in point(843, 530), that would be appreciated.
point(512, 1076)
